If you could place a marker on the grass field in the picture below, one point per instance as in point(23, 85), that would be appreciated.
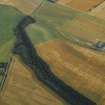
point(67, 62)
point(9, 17)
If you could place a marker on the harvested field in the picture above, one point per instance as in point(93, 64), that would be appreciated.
point(76, 68)
point(84, 5)
point(26, 6)
point(23, 88)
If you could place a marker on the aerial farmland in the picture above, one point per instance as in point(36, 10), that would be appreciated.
point(99, 11)
point(53, 56)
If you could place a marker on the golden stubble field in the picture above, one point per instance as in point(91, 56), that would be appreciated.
point(84, 5)
point(26, 6)
point(81, 68)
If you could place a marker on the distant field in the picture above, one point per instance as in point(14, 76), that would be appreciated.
point(26, 6)
point(83, 5)
point(99, 11)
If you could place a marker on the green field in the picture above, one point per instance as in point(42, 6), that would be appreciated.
point(9, 17)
